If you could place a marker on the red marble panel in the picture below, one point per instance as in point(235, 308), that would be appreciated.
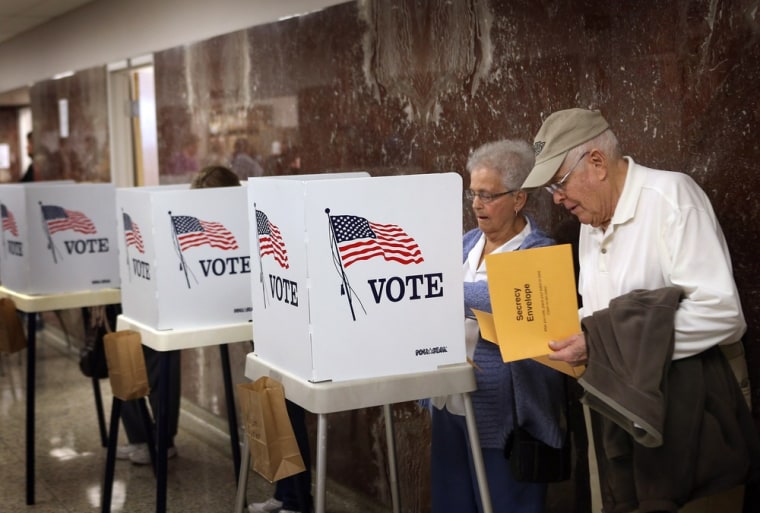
point(79, 150)
point(9, 136)
point(397, 87)
point(402, 86)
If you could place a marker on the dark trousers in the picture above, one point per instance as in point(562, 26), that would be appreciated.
point(295, 491)
point(130, 412)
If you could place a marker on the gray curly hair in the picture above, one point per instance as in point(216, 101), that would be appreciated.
point(511, 158)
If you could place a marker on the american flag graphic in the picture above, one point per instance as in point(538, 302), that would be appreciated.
point(9, 222)
point(59, 219)
point(132, 234)
point(359, 239)
point(192, 232)
point(270, 240)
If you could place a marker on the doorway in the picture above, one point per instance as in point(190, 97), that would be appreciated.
point(132, 119)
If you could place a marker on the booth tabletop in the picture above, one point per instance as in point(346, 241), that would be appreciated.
point(330, 396)
point(61, 300)
point(187, 338)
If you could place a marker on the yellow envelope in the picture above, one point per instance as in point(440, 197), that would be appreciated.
point(533, 297)
point(488, 332)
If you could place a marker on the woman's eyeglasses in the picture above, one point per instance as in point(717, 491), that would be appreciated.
point(485, 197)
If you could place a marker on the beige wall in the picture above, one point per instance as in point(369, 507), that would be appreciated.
point(106, 31)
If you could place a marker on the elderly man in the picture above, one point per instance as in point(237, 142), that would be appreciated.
point(659, 299)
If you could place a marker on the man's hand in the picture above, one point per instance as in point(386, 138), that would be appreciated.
point(571, 350)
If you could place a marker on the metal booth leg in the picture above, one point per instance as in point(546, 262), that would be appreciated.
point(31, 363)
point(477, 455)
point(99, 410)
point(113, 439)
point(162, 431)
point(319, 506)
point(231, 414)
point(390, 436)
point(245, 463)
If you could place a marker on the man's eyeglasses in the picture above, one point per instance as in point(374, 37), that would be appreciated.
point(485, 197)
point(560, 186)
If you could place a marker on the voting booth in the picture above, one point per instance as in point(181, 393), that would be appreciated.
point(58, 237)
point(357, 277)
point(184, 256)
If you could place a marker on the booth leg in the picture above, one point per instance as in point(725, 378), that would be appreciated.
point(319, 506)
point(390, 436)
point(245, 463)
point(31, 363)
point(113, 439)
point(477, 455)
point(162, 431)
point(231, 413)
point(99, 410)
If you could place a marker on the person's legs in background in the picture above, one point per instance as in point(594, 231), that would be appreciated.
point(131, 416)
point(451, 489)
point(508, 494)
point(454, 480)
point(292, 494)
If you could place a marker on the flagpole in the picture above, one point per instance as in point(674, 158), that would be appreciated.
point(126, 243)
point(179, 249)
point(47, 232)
point(334, 244)
point(258, 252)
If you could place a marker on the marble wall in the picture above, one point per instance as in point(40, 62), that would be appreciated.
point(70, 119)
point(397, 87)
point(403, 86)
point(10, 171)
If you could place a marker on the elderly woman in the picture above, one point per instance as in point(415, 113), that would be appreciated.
point(535, 392)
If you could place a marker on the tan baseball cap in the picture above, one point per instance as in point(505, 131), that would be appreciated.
point(561, 132)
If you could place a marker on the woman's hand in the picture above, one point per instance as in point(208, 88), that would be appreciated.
point(571, 350)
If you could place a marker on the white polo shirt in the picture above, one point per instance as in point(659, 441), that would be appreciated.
point(664, 233)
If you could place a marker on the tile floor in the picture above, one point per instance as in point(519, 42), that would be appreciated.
point(70, 460)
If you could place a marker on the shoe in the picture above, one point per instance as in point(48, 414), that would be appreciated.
point(270, 505)
point(141, 456)
point(124, 451)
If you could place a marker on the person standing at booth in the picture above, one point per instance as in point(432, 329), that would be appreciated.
point(661, 308)
point(137, 449)
point(243, 162)
point(534, 391)
point(292, 494)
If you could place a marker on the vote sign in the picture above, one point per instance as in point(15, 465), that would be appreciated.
point(357, 277)
point(184, 256)
point(58, 237)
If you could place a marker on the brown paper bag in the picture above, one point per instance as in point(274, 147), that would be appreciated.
point(126, 364)
point(274, 450)
point(12, 337)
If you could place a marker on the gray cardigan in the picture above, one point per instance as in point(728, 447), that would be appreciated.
point(539, 390)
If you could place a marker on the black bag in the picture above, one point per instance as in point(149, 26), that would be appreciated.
point(92, 356)
point(534, 461)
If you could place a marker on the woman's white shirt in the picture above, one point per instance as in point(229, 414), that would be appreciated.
point(475, 270)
